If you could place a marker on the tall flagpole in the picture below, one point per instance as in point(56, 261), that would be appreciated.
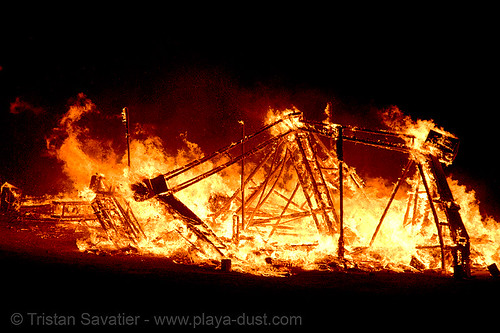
point(242, 180)
point(126, 122)
point(340, 157)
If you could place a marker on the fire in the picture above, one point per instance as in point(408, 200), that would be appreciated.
point(271, 202)
point(484, 231)
point(417, 131)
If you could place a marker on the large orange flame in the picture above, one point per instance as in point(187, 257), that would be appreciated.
point(396, 247)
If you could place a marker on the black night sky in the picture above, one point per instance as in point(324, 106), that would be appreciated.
point(196, 71)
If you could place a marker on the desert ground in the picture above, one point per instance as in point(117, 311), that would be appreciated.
point(44, 272)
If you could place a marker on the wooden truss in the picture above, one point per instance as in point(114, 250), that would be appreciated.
point(293, 171)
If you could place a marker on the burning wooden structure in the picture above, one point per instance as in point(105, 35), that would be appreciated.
point(293, 170)
point(292, 189)
point(16, 206)
point(114, 214)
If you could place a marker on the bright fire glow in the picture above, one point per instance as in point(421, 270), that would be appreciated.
point(263, 249)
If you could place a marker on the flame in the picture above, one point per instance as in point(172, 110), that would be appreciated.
point(483, 230)
point(396, 246)
point(82, 155)
point(397, 121)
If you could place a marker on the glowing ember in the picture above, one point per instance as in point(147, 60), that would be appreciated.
point(281, 198)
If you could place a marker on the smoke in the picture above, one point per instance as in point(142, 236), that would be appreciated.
point(201, 105)
point(20, 106)
point(395, 119)
point(208, 102)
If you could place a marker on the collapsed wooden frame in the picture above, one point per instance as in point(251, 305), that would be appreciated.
point(314, 151)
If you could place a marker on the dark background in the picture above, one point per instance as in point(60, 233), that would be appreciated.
point(201, 69)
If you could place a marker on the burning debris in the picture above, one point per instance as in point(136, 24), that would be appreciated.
point(114, 214)
point(10, 198)
point(279, 199)
point(292, 150)
point(17, 206)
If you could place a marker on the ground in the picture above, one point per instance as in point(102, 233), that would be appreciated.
point(44, 273)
